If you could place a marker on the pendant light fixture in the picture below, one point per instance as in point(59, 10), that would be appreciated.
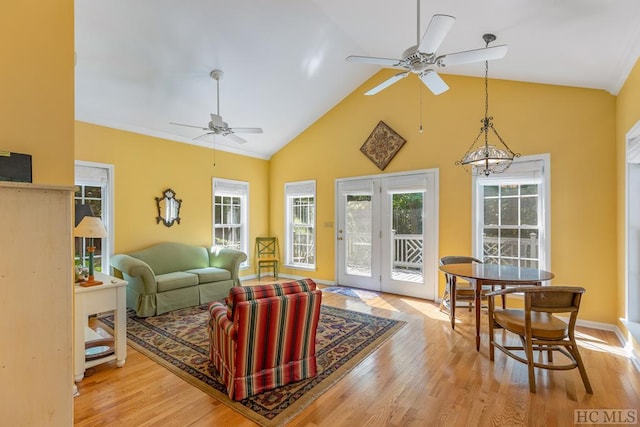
point(487, 158)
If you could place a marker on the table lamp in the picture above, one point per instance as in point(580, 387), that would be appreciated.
point(90, 227)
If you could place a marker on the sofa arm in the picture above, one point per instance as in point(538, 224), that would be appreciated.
point(228, 259)
point(137, 273)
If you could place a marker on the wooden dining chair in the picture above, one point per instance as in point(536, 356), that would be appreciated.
point(455, 292)
point(539, 328)
point(267, 255)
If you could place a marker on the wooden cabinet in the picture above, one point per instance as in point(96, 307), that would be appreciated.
point(36, 283)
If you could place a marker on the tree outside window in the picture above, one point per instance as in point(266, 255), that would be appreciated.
point(92, 196)
point(300, 245)
point(510, 227)
point(230, 215)
point(512, 214)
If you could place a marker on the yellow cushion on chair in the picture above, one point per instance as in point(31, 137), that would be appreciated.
point(543, 325)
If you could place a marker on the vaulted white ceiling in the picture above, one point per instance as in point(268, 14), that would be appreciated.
point(142, 64)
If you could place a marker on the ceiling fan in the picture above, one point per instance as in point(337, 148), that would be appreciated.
point(423, 57)
point(217, 126)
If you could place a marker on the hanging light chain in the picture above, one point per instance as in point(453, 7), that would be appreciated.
point(486, 159)
point(486, 123)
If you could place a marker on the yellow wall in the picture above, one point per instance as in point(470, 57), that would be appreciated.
point(145, 166)
point(628, 114)
point(36, 118)
point(576, 126)
point(36, 86)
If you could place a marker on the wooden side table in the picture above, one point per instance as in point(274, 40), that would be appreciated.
point(109, 296)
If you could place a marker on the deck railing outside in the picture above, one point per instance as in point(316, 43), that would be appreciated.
point(508, 247)
point(408, 250)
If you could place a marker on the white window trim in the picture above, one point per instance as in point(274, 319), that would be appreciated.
point(229, 187)
point(107, 211)
point(631, 317)
point(545, 263)
point(299, 189)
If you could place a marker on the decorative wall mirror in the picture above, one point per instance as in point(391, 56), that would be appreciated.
point(168, 208)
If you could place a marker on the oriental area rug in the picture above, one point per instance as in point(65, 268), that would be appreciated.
point(178, 340)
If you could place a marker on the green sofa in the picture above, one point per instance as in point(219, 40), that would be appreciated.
point(169, 276)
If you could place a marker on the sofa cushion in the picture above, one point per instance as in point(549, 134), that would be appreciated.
point(210, 274)
point(169, 257)
point(176, 280)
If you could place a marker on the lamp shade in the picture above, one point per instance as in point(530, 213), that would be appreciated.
point(82, 210)
point(90, 226)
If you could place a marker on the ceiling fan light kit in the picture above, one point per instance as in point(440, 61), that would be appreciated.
point(487, 158)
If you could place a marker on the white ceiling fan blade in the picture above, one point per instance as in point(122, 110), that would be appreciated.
point(235, 138)
point(246, 130)
point(203, 135)
point(434, 82)
point(435, 33)
point(189, 126)
point(371, 60)
point(385, 84)
point(476, 55)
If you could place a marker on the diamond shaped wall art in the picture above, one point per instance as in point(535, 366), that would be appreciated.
point(382, 145)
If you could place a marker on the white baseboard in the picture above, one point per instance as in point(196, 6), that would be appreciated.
point(292, 277)
point(634, 330)
point(633, 355)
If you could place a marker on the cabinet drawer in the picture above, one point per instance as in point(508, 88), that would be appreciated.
point(100, 301)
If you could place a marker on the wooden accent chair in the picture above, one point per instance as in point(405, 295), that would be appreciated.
point(453, 292)
point(265, 336)
point(267, 255)
point(539, 329)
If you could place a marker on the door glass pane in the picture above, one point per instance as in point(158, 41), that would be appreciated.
point(357, 235)
point(407, 242)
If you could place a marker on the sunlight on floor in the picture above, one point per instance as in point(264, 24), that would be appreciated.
point(379, 302)
point(426, 308)
point(592, 343)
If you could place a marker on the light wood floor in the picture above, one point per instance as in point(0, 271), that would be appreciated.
point(426, 374)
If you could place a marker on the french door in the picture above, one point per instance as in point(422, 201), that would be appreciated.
point(387, 233)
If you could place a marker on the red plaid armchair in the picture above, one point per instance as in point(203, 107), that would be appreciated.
point(265, 337)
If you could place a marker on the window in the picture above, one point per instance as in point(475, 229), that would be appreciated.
point(511, 215)
point(300, 243)
point(92, 187)
point(230, 207)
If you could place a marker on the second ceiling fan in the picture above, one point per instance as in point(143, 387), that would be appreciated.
point(423, 57)
point(217, 126)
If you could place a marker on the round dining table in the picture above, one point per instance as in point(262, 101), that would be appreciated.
point(481, 275)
